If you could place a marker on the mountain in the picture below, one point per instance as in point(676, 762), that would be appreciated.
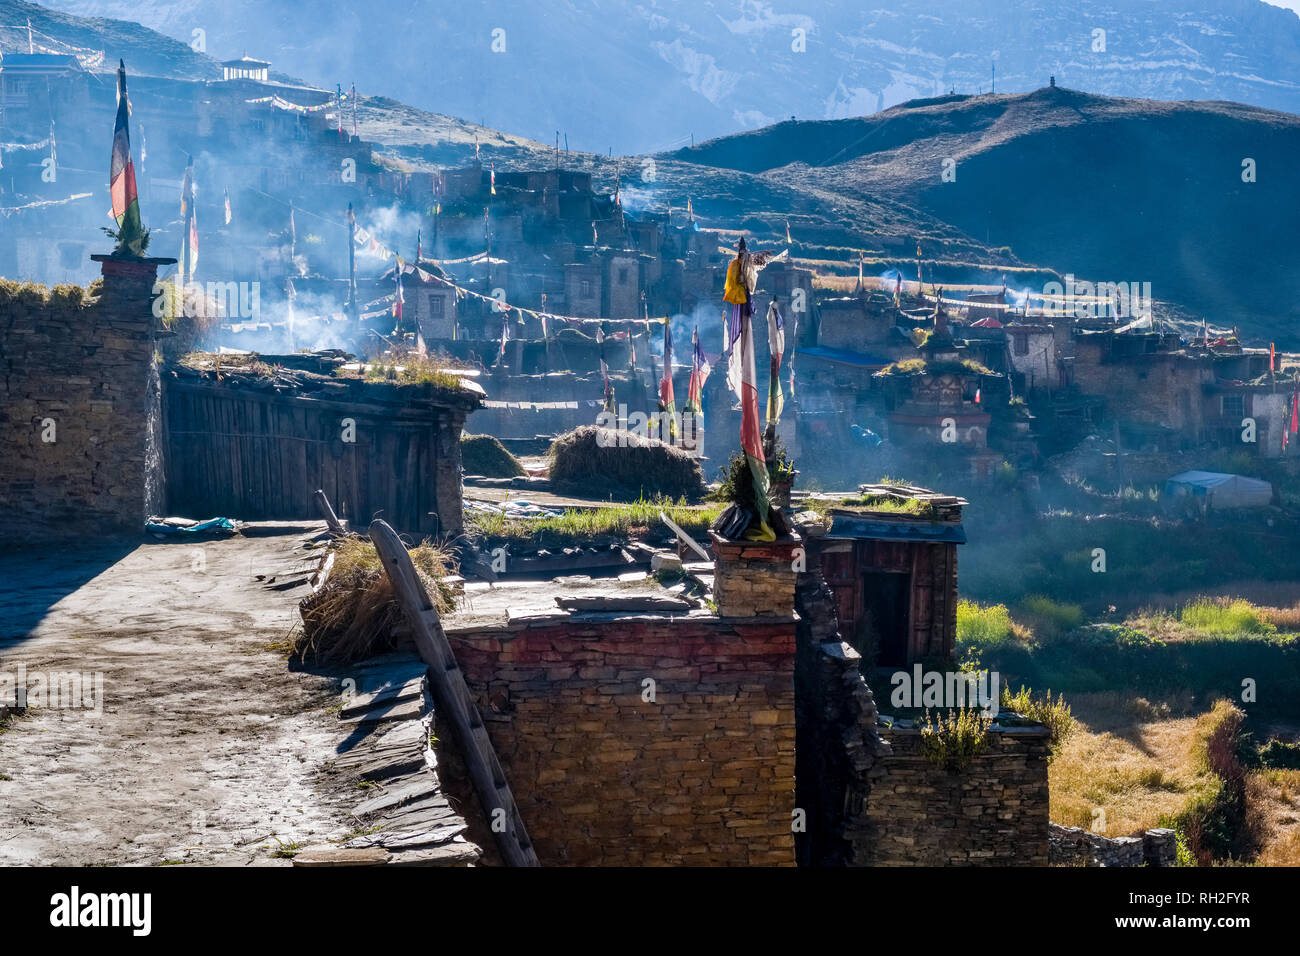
point(828, 227)
point(145, 50)
point(1109, 189)
point(648, 76)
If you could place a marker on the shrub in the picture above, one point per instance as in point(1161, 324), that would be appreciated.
point(1277, 755)
point(953, 742)
point(983, 626)
point(1054, 715)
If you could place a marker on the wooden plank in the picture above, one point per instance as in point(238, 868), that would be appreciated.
point(327, 512)
point(453, 698)
point(305, 480)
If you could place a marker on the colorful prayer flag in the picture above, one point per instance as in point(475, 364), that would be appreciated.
point(700, 370)
point(227, 200)
point(751, 438)
point(667, 403)
point(121, 173)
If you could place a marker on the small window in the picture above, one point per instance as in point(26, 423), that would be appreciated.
point(622, 277)
point(1234, 406)
point(1021, 344)
point(586, 288)
point(436, 306)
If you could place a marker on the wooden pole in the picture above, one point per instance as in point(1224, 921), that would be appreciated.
point(452, 698)
point(327, 512)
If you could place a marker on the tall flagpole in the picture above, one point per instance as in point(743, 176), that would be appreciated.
point(352, 264)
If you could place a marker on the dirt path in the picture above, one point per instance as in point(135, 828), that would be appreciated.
point(207, 746)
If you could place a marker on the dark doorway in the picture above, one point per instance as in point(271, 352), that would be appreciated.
point(885, 617)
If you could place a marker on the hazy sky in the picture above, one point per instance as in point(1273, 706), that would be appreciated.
point(1289, 4)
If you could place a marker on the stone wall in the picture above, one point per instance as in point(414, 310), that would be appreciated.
point(994, 813)
point(703, 774)
point(836, 742)
point(1170, 385)
point(78, 398)
point(752, 578)
point(1072, 846)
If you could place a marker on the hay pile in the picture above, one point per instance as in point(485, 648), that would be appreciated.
point(484, 455)
point(598, 462)
point(353, 615)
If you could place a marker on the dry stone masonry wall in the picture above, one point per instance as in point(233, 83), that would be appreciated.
point(700, 771)
point(77, 401)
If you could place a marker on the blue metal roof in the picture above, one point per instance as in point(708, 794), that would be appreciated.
point(845, 356)
point(843, 526)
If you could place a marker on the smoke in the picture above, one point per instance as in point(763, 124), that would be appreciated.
point(708, 318)
point(395, 227)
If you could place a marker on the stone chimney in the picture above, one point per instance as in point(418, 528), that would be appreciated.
point(756, 578)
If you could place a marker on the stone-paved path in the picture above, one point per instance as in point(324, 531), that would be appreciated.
point(207, 747)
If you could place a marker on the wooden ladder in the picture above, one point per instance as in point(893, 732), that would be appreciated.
point(452, 698)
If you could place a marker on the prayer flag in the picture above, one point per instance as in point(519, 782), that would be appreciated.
point(667, 402)
point(121, 174)
point(776, 345)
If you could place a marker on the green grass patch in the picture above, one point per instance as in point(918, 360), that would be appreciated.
point(1049, 620)
point(1117, 657)
point(578, 525)
point(983, 627)
point(887, 504)
point(1222, 616)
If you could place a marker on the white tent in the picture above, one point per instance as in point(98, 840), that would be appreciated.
point(1214, 489)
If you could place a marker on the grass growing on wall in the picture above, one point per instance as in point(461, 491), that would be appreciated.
point(33, 294)
point(578, 525)
point(953, 741)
